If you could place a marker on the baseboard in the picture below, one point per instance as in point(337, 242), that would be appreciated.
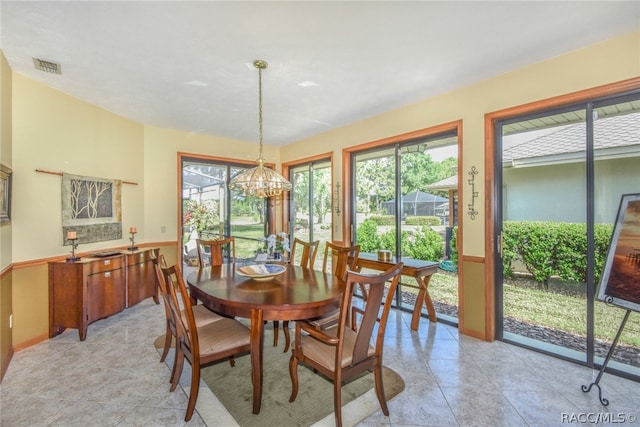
point(32, 341)
point(5, 364)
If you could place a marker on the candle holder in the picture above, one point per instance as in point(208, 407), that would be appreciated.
point(133, 246)
point(74, 246)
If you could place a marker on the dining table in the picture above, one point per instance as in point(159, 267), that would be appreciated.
point(295, 294)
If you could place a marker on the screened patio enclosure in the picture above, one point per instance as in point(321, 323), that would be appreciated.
point(416, 203)
point(210, 210)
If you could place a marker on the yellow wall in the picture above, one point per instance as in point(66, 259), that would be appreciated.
point(56, 132)
point(6, 338)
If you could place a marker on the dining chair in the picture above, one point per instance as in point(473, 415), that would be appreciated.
point(200, 345)
point(355, 344)
point(201, 314)
point(338, 260)
point(216, 251)
point(307, 259)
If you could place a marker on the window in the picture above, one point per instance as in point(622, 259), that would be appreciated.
point(211, 210)
point(404, 194)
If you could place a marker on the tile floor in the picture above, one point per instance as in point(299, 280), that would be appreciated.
point(114, 378)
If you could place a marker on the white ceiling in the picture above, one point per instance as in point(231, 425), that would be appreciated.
point(188, 65)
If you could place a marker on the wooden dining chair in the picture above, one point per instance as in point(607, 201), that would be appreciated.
point(200, 345)
point(308, 250)
point(216, 251)
point(353, 346)
point(201, 314)
point(338, 260)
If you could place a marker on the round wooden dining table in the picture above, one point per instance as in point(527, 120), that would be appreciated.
point(297, 293)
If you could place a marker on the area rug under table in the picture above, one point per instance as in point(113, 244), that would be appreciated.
point(233, 387)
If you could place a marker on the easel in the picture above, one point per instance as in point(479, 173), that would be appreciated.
point(586, 389)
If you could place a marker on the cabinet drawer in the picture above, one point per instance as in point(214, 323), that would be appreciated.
point(106, 264)
point(138, 258)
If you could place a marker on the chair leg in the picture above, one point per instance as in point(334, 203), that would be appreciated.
point(337, 400)
point(287, 337)
point(168, 337)
point(377, 373)
point(177, 369)
point(276, 326)
point(293, 372)
point(195, 387)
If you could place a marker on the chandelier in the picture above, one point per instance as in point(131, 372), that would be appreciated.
point(260, 181)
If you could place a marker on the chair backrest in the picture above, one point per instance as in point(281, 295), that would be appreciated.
point(309, 252)
point(158, 263)
point(216, 251)
point(340, 259)
point(186, 329)
point(363, 318)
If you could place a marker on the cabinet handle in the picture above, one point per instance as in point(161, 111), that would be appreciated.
point(107, 274)
point(107, 261)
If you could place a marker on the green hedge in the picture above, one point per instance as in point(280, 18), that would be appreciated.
point(553, 249)
point(383, 219)
point(423, 220)
point(423, 243)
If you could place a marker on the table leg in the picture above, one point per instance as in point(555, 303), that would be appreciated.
point(423, 295)
point(257, 339)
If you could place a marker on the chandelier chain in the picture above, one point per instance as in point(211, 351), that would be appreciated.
point(260, 107)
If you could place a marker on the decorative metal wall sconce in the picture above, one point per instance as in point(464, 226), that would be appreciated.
point(471, 209)
point(337, 200)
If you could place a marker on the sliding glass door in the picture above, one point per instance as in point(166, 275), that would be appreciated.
point(562, 175)
point(210, 210)
point(404, 195)
point(310, 209)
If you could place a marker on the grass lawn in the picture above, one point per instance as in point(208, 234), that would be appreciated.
point(554, 310)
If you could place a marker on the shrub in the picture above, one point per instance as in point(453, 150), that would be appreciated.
point(453, 244)
point(427, 245)
point(550, 249)
point(368, 238)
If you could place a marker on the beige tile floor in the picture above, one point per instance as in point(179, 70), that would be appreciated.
point(114, 378)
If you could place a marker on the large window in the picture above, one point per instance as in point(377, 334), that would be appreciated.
point(561, 177)
point(310, 214)
point(404, 196)
point(210, 210)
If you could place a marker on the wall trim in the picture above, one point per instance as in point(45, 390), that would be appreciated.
point(41, 261)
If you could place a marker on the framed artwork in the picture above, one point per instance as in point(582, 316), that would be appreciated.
point(92, 208)
point(620, 282)
point(5, 194)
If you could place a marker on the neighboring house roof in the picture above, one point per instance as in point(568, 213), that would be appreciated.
point(450, 183)
point(615, 136)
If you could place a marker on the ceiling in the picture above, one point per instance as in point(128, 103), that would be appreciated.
point(188, 65)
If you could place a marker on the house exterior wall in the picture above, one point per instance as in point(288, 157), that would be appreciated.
point(558, 192)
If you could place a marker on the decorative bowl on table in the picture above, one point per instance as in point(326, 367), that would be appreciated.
point(261, 271)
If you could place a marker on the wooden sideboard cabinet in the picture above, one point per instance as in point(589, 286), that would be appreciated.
point(140, 275)
point(84, 291)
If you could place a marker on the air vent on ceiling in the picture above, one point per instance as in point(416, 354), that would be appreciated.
point(47, 66)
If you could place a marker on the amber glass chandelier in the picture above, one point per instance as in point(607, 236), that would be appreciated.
point(260, 181)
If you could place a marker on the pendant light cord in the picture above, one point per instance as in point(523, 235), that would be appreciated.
point(260, 109)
